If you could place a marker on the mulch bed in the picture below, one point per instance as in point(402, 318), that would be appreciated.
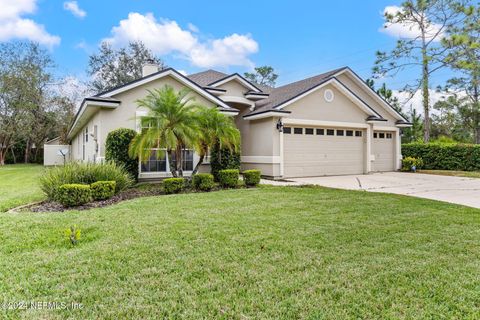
point(48, 206)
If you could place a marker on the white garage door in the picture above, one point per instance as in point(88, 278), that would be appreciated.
point(383, 148)
point(310, 152)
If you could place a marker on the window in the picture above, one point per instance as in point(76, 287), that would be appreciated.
point(328, 95)
point(86, 134)
point(308, 131)
point(358, 133)
point(389, 136)
point(381, 135)
point(375, 135)
point(155, 163)
point(340, 133)
point(320, 132)
point(187, 160)
point(330, 132)
point(349, 133)
point(287, 130)
point(298, 130)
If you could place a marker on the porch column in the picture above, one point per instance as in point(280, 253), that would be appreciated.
point(368, 160)
point(398, 150)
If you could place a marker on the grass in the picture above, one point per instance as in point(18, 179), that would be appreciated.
point(18, 185)
point(265, 253)
point(467, 174)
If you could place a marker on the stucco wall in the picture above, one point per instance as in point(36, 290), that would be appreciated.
point(234, 88)
point(314, 107)
point(124, 116)
point(373, 103)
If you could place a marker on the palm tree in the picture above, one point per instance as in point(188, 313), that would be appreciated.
point(215, 127)
point(171, 124)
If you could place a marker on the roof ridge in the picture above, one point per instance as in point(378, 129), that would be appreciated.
point(312, 77)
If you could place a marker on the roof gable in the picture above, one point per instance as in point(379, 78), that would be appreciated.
point(176, 75)
point(235, 77)
point(355, 77)
point(340, 87)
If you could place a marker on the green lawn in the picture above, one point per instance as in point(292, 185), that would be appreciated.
point(266, 253)
point(18, 185)
point(468, 174)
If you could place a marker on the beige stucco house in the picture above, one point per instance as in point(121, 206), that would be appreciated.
point(329, 124)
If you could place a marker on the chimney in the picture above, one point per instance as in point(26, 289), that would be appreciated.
point(149, 68)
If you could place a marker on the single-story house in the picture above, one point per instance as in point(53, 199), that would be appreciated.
point(329, 124)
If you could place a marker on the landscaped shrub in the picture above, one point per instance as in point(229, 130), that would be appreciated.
point(116, 150)
point(222, 159)
point(435, 156)
point(84, 173)
point(173, 185)
point(71, 195)
point(203, 181)
point(251, 177)
point(102, 190)
point(228, 178)
point(409, 162)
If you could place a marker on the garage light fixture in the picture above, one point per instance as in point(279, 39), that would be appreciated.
point(279, 125)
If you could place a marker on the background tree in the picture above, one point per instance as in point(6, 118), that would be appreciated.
point(264, 76)
point(447, 122)
point(386, 94)
point(431, 18)
point(415, 132)
point(463, 43)
point(25, 75)
point(110, 68)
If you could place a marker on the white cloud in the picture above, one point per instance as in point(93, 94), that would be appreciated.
point(416, 102)
point(405, 30)
point(167, 37)
point(229, 51)
point(73, 7)
point(13, 26)
point(193, 28)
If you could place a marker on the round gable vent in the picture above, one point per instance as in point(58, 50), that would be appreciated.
point(328, 95)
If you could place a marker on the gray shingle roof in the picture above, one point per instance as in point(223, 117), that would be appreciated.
point(204, 78)
point(287, 92)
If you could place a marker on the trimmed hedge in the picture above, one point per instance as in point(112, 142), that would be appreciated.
point(228, 178)
point(435, 156)
point(251, 177)
point(71, 195)
point(203, 181)
point(173, 185)
point(102, 190)
point(116, 150)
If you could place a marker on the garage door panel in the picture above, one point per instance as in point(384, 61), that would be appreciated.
point(315, 155)
point(384, 152)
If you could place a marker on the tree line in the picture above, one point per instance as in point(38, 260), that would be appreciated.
point(448, 37)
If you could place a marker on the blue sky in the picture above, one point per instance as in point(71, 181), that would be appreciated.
point(298, 38)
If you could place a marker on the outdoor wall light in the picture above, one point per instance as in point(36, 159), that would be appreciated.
point(279, 125)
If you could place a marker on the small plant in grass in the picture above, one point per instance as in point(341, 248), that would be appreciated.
point(203, 181)
point(228, 178)
point(251, 177)
point(71, 195)
point(411, 164)
point(173, 185)
point(102, 190)
point(73, 235)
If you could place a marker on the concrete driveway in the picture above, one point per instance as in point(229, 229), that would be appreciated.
point(464, 191)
